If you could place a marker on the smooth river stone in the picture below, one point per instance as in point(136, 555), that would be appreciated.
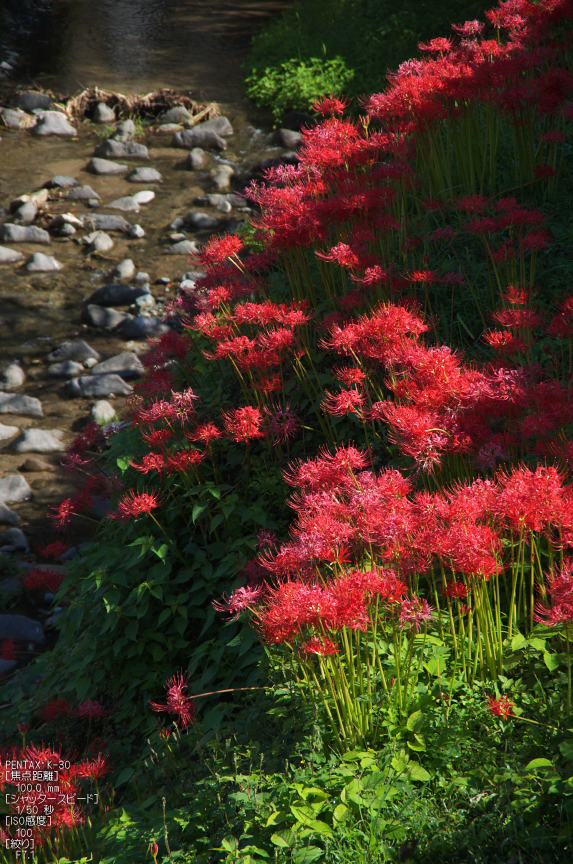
point(54, 123)
point(24, 234)
point(76, 350)
point(14, 488)
point(7, 432)
point(105, 166)
point(128, 365)
point(99, 385)
point(21, 629)
point(9, 256)
point(24, 406)
point(40, 263)
point(39, 441)
point(144, 175)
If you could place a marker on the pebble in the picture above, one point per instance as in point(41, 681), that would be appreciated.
point(66, 219)
point(141, 327)
point(34, 464)
point(16, 538)
point(125, 131)
point(124, 271)
point(14, 488)
point(40, 263)
point(60, 181)
point(14, 118)
point(81, 193)
point(21, 629)
point(24, 234)
point(146, 301)
point(98, 241)
point(198, 137)
point(121, 150)
point(7, 516)
point(183, 247)
point(103, 113)
point(99, 385)
point(127, 204)
point(220, 125)
point(105, 166)
point(197, 221)
point(24, 406)
point(12, 377)
point(9, 256)
point(215, 199)
point(128, 365)
point(54, 123)
point(136, 232)
point(105, 222)
point(39, 441)
point(7, 666)
point(99, 316)
point(169, 128)
point(77, 350)
point(146, 196)
point(117, 294)
point(288, 138)
point(25, 213)
point(142, 277)
point(144, 175)
point(221, 176)
point(32, 100)
point(196, 159)
point(66, 369)
point(7, 432)
point(103, 412)
point(67, 230)
point(177, 114)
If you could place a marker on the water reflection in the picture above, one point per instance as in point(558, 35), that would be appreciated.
point(128, 32)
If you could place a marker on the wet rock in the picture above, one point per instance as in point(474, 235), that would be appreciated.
point(117, 294)
point(146, 196)
point(7, 432)
point(128, 204)
point(177, 114)
point(288, 138)
point(197, 221)
point(146, 301)
point(25, 214)
point(67, 230)
point(196, 159)
point(169, 128)
point(90, 387)
point(144, 175)
point(221, 125)
point(90, 362)
point(124, 271)
point(221, 176)
point(103, 412)
point(77, 350)
point(136, 232)
point(14, 118)
point(40, 263)
point(105, 222)
point(23, 406)
point(7, 516)
point(198, 137)
point(105, 166)
point(66, 369)
point(38, 441)
point(216, 199)
point(99, 316)
point(33, 464)
point(98, 241)
point(60, 182)
point(12, 377)
point(81, 193)
point(103, 113)
point(15, 538)
point(9, 256)
point(54, 123)
point(177, 224)
point(141, 327)
point(121, 150)
point(125, 131)
point(142, 277)
point(24, 234)
point(14, 488)
point(128, 365)
point(183, 247)
point(21, 629)
point(7, 666)
point(63, 219)
point(32, 100)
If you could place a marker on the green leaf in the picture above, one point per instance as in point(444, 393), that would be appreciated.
point(551, 661)
point(538, 763)
point(416, 772)
point(566, 748)
point(519, 641)
point(284, 839)
point(308, 855)
point(415, 722)
point(303, 815)
point(230, 843)
point(131, 630)
point(198, 509)
point(340, 813)
point(124, 777)
point(276, 818)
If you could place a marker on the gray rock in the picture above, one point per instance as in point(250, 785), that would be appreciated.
point(16, 538)
point(124, 271)
point(7, 516)
point(25, 214)
point(128, 365)
point(40, 263)
point(146, 301)
point(121, 150)
point(65, 369)
point(177, 114)
point(14, 118)
point(288, 138)
point(67, 230)
point(183, 247)
point(105, 166)
point(9, 256)
point(7, 666)
point(54, 123)
point(99, 241)
point(125, 131)
point(216, 199)
point(103, 412)
point(21, 629)
point(142, 277)
point(90, 387)
point(104, 222)
point(99, 316)
point(221, 176)
point(146, 196)
point(24, 234)
point(141, 327)
point(198, 137)
point(128, 204)
point(77, 350)
point(66, 219)
point(196, 159)
point(136, 232)
point(197, 221)
point(38, 441)
point(32, 463)
point(177, 224)
point(144, 175)
point(9, 588)
point(221, 125)
point(7, 432)
point(169, 128)
point(177, 236)
point(90, 362)
point(117, 294)
point(60, 181)
point(81, 193)
point(32, 100)
point(14, 488)
point(12, 377)
point(103, 113)
point(24, 406)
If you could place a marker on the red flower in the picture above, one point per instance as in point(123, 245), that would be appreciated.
point(184, 459)
point(345, 402)
point(9, 650)
point(177, 701)
point(242, 424)
point(91, 709)
point(331, 106)
point(241, 599)
point(324, 646)
point(40, 577)
point(416, 612)
point(54, 550)
point(151, 462)
point(133, 504)
point(502, 707)
point(57, 708)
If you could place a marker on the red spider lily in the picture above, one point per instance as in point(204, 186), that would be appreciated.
point(241, 599)
point(92, 710)
point(150, 462)
point(63, 513)
point(184, 460)
point(9, 650)
point(283, 424)
point(220, 249)
point(243, 424)
point(40, 577)
point(325, 647)
point(178, 702)
point(345, 402)
point(157, 437)
point(456, 590)
point(134, 504)
point(560, 590)
point(416, 613)
point(95, 770)
point(502, 707)
point(331, 105)
point(57, 708)
point(54, 550)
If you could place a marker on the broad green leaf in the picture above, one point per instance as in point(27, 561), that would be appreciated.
point(283, 839)
point(276, 818)
point(519, 641)
point(315, 824)
point(415, 722)
point(340, 813)
point(124, 777)
point(198, 509)
point(538, 763)
point(308, 855)
point(416, 772)
point(551, 661)
point(566, 748)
